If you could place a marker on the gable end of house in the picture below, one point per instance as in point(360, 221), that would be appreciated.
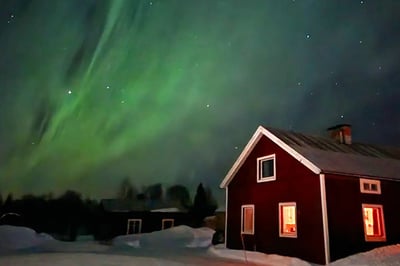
point(259, 133)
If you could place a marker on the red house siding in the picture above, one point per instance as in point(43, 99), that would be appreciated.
point(294, 183)
point(346, 228)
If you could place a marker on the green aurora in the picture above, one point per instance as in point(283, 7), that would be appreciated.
point(168, 91)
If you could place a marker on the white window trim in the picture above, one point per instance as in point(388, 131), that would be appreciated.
point(260, 160)
point(374, 238)
point(242, 219)
point(281, 234)
point(134, 220)
point(370, 182)
point(163, 221)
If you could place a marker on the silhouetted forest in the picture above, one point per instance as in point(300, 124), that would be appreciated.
point(69, 215)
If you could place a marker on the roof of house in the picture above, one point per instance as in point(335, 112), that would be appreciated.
point(123, 205)
point(126, 205)
point(326, 155)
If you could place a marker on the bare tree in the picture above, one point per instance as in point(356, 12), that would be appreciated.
point(127, 190)
point(179, 194)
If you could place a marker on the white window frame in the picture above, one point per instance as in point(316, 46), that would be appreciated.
point(382, 237)
point(260, 161)
point(281, 233)
point(370, 182)
point(163, 221)
point(242, 231)
point(129, 225)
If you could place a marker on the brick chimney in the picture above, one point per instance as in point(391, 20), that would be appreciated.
point(341, 133)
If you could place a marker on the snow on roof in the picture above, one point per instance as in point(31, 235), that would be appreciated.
point(122, 205)
point(173, 209)
point(126, 205)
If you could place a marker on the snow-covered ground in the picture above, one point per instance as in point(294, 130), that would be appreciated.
point(179, 245)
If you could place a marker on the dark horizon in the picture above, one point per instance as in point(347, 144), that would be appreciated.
point(170, 92)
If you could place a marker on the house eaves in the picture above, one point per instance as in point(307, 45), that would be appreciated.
point(260, 132)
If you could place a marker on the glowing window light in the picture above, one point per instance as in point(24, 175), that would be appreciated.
point(287, 217)
point(247, 219)
point(374, 226)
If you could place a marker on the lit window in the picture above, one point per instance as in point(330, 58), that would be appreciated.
point(134, 226)
point(370, 186)
point(287, 219)
point(247, 226)
point(167, 223)
point(374, 224)
point(266, 168)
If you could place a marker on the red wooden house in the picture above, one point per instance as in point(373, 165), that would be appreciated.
point(316, 198)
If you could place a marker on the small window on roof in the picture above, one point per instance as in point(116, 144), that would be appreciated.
point(266, 168)
point(370, 186)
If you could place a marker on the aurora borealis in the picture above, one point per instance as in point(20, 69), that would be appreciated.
point(170, 90)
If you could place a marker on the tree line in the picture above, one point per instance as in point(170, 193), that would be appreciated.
point(69, 215)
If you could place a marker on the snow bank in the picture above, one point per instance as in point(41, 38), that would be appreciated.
point(18, 237)
point(256, 257)
point(83, 259)
point(388, 255)
point(178, 236)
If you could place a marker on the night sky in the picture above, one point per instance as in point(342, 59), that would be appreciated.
point(170, 91)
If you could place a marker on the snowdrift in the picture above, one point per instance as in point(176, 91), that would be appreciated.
point(388, 255)
point(176, 237)
point(42, 249)
point(18, 237)
point(254, 257)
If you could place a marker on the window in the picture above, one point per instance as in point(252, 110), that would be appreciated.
point(167, 223)
point(374, 224)
point(266, 168)
point(370, 186)
point(287, 219)
point(134, 226)
point(247, 224)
